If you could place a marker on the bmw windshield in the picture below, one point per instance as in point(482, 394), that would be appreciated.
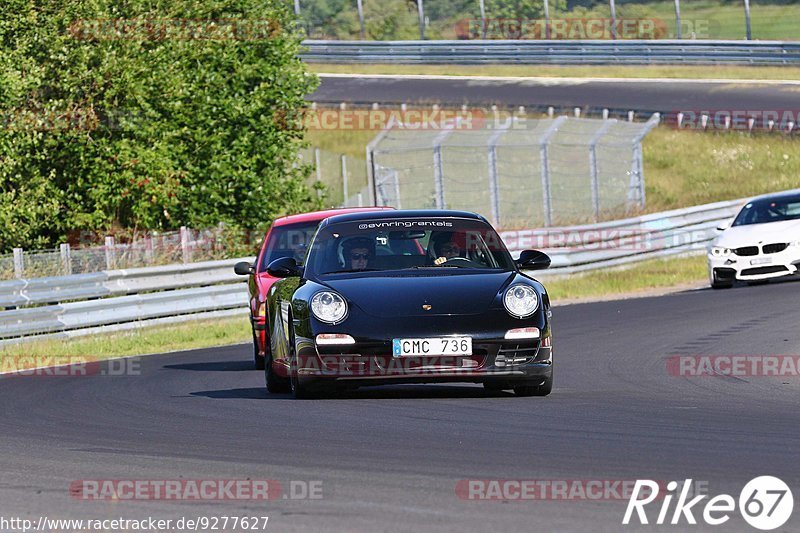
point(407, 244)
point(769, 210)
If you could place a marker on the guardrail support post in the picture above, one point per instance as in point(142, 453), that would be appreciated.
point(19, 263)
point(186, 252)
point(545, 167)
point(636, 193)
point(318, 165)
point(111, 259)
point(546, 18)
point(345, 190)
point(494, 188)
point(421, 11)
point(370, 150)
point(613, 19)
point(747, 19)
point(361, 19)
point(66, 259)
point(483, 18)
point(438, 170)
point(594, 174)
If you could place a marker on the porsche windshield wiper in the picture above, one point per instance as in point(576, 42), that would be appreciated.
point(351, 271)
point(443, 265)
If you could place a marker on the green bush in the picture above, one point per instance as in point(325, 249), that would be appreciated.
point(148, 115)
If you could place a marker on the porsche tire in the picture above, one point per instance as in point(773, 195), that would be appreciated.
point(535, 390)
point(275, 383)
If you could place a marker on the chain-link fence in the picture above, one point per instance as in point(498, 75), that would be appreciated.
point(549, 19)
point(344, 177)
point(524, 173)
point(129, 251)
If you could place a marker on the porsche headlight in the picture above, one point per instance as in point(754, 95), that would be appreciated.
point(328, 307)
point(520, 300)
point(720, 251)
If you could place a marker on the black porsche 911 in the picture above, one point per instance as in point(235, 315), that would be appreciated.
point(409, 297)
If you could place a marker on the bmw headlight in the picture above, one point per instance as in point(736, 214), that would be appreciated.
point(720, 251)
point(520, 300)
point(328, 307)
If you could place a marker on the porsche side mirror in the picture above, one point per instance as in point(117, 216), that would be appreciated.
point(284, 267)
point(243, 268)
point(533, 260)
point(723, 226)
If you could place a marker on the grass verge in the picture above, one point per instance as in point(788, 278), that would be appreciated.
point(155, 339)
point(704, 72)
point(640, 278)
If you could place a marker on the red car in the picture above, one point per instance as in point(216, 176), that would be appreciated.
point(288, 237)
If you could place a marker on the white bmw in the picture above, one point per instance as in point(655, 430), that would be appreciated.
point(762, 242)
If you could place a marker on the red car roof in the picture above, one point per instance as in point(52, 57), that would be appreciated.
point(321, 215)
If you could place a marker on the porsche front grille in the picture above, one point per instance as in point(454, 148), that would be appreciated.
point(515, 353)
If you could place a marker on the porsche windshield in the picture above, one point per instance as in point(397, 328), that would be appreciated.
point(401, 244)
point(769, 210)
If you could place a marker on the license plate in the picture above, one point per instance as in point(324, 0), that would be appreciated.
point(432, 346)
point(761, 261)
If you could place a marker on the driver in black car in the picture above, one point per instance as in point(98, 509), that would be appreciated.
point(358, 253)
point(447, 247)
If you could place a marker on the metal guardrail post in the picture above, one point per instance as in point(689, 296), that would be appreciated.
point(186, 253)
point(545, 168)
point(636, 191)
point(396, 180)
point(546, 18)
point(318, 165)
point(345, 190)
point(19, 263)
point(66, 259)
point(370, 162)
point(593, 165)
point(438, 170)
point(747, 19)
point(111, 256)
point(482, 6)
point(360, 8)
point(494, 189)
point(613, 8)
point(421, 11)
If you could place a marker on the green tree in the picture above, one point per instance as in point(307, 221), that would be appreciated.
point(149, 115)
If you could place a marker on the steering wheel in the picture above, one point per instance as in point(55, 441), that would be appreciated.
point(457, 260)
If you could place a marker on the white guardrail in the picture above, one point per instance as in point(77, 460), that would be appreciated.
point(559, 52)
point(67, 306)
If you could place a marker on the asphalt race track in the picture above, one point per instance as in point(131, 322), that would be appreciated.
point(389, 458)
point(665, 96)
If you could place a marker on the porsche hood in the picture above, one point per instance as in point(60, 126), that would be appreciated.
point(422, 295)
